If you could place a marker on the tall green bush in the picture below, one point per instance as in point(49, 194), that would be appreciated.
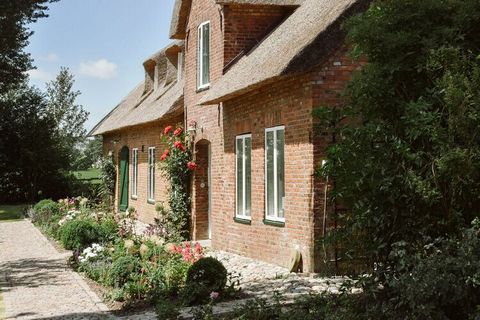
point(407, 163)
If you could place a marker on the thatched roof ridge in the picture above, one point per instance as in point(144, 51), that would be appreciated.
point(178, 25)
point(261, 2)
point(300, 43)
point(137, 109)
point(143, 104)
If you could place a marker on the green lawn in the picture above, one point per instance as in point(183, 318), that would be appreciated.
point(12, 212)
point(91, 176)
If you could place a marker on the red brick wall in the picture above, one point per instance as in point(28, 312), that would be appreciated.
point(136, 137)
point(246, 25)
point(288, 102)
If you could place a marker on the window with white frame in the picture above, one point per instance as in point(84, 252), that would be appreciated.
point(151, 174)
point(134, 173)
point(244, 176)
point(275, 173)
point(203, 58)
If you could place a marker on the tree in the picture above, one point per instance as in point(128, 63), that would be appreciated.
point(407, 163)
point(32, 161)
point(69, 116)
point(14, 16)
point(89, 154)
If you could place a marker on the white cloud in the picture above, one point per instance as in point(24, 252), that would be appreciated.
point(38, 74)
point(52, 57)
point(101, 69)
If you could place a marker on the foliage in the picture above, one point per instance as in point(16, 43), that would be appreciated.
point(123, 270)
point(89, 154)
point(15, 15)
point(44, 210)
point(177, 165)
point(205, 276)
point(166, 310)
point(406, 164)
point(80, 233)
point(68, 115)
point(33, 163)
point(108, 175)
point(175, 272)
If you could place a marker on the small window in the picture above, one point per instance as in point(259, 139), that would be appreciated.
point(180, 66)
point(203, 58)
point(244, 176)
point(275, 173)
point(151, 174)
point(134, 190)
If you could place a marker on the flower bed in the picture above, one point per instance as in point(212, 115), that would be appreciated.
point(133, 268)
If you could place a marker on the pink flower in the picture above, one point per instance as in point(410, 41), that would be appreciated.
point(214, 295)
point(192, 166)
point(165, 155)
point(198, 248)
point(178, 132)
point(167, 130)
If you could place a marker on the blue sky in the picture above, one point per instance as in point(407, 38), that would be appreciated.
point(103, 42)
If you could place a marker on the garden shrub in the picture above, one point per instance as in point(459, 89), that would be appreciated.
point(123, 270)
point(109, 228)
point(44, 211)
point(80, 233)
point(205, 276)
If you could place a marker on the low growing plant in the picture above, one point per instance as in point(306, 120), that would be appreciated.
point(80, 233)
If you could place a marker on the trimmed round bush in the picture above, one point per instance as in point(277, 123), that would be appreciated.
point(45, 210)
point(122, 270)
point(80, 233)
point(205, 276)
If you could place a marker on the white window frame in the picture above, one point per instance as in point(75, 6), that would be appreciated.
point(134, 191)
point(180, 66)
point(200, 65)
point(242, 215)
point(275, 218)
point(151, 175)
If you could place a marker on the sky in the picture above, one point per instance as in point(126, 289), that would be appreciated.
point(103, 43)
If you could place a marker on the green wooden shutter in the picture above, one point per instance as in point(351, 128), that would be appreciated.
point(123, 195)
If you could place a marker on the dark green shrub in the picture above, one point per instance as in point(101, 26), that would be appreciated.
point(205, 276)
point(166, 309)
point(80, 233)
point(44, 211)
point(123, 269)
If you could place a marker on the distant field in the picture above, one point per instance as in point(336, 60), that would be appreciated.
point(12, 212)
point(91, 176)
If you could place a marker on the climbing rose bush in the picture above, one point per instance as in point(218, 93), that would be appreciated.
point(177, 165)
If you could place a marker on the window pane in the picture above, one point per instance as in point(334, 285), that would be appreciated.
point(239, 176)
point(270, 174)
point(248, 176)
point(280, 172)
point(206, 54)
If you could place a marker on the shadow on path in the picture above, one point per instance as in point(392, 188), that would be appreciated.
point(32, 273)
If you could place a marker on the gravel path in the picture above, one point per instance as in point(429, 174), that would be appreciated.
point(35, 281)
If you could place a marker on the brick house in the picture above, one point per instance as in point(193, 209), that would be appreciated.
point(248, 73)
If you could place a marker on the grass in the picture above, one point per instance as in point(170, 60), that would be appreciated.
point(91, 175)
point(12, 212)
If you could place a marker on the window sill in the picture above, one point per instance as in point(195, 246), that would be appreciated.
point(279, 224)
point(134, 197)
point(150, 201)
point(242, 221)
point(204, 88)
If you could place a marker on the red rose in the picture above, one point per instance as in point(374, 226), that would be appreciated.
point(179, 145)
point(178, 132)
point(192, 165)
point(165, 155)
point(167, 130)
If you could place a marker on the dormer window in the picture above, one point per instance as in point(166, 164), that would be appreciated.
point(203, 58)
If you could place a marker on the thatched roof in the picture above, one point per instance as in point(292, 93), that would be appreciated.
point(181, 11)
point(303, 41)
point(144, 105)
